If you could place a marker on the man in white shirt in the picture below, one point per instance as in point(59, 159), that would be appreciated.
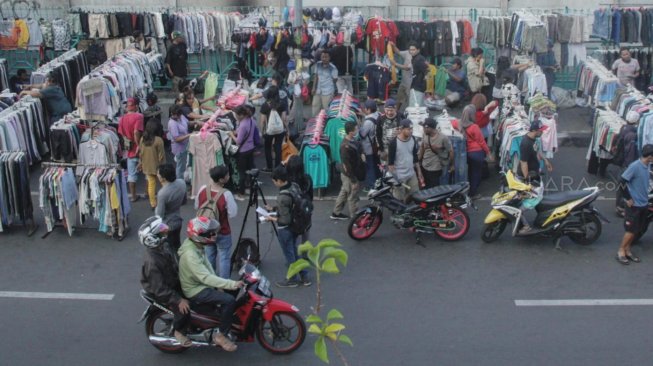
point(626, 68)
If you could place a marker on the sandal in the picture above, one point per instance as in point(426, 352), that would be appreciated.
point(622, 259)
point(183, 340)
point(633, 258)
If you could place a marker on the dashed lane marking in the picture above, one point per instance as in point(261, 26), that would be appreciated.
point(55, 295)
point(586, 302)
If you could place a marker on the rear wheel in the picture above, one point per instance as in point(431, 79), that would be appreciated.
point(283, 334)
point(365, 224)
point(159, 324)
point(457, 225)
point(493, 231)
point(591, 228)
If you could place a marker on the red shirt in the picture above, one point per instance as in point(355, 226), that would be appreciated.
point(130, 123)
point(483, 118)
point(474, 137)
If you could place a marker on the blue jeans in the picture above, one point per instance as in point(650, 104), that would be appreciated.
point(370, 171)
point(217, 297)
point(180, 160)
point(288, 243)
point(221, 249)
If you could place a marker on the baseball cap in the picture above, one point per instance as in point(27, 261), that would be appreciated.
point(370, 103)
point(176, 34)
point(390, 103)
point(429, 122)
point(537, 126)
point(405, 123)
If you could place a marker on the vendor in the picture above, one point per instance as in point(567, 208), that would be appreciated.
point(52, 96)
point(19, 80)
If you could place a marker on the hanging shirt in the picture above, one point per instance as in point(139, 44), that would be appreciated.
point(316, 163)
point(378, 79)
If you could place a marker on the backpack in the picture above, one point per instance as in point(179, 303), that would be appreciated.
point(301, 211)
point(210, 206)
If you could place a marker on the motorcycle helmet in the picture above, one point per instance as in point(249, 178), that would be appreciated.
point(320, 14)
point(152, 232)
point(306, 12)
point(335, 14)
point(202, 230)
point(314, 13)
point(328, 14)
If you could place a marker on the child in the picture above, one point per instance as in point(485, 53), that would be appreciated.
point(152, 154)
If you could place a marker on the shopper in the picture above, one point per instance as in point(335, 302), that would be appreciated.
point(324, 85)
point(287, 239)
point(370, 146)
point(435, 154)
point(351, 155)
point(549, 65)
point(140, 43)
point(19, 80)
point(406, 75)
point(153, 112)
point(177, 61)
point(626, 68)
point(483, 111)
point(53, 97)
point(476, 71)
point(244, 138)
point(169, 200)
point(635, 187)
point(178, 134)
point(477, 150)
point(457, 83)
point(420, 68)
point(273, 139)
point(131, 128)
point(151, 154)
point(387, 127)
point(218, 203)
point(403, 161)
point(297, 174)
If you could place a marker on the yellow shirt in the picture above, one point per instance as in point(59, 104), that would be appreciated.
point(23, 36)
point(430, 79)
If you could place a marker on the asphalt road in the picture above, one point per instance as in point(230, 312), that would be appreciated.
point(440, 304)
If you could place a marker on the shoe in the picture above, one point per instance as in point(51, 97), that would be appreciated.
point(183, 340)
point(633, 258)
point(287, 283)
point(220, 340)
point(134, 199)
point(340, 216)
point(525, 230)
point(239, 197)
point(622, 260)
point(305, 281)
point(476, 197)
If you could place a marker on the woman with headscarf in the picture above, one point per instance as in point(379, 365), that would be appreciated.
point(477, 149)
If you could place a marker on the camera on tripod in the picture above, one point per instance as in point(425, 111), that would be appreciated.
point(253, 173)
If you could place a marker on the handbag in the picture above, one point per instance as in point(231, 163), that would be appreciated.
point(275, 124)
point(288, 149)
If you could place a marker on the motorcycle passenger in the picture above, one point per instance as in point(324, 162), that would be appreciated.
point(159, 275)
point(635, 186)
point(529, 156)
point(403, 161)
point(198, 279)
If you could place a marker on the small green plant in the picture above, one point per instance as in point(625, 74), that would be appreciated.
point(323, 258)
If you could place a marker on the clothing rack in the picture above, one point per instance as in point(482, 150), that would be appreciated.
point(28, 222)
point(50, 164)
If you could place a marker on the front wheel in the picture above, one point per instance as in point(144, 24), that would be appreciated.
point(457, 225)
point(159, 323)
point(283, 334)
point(493, 231)
point(365, 224)
point(591, 228)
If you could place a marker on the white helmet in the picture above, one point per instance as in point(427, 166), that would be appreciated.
point(152, 232)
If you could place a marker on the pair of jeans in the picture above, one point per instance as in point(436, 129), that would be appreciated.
point(288, 243)
point(219, 255)
point(475, 160)
point(276, 141)
point(371, 171)
point(180, 163)
point(217, 297)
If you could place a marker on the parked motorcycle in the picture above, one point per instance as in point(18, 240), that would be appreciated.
point(438, 210)
point(560, 214)
point(276, 325)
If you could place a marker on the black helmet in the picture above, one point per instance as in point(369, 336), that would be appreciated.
point(320, 14)
point(314, 14)
point(306, 12)
point(328, 13)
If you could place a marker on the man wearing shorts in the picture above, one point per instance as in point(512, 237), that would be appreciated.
point(130, 128)
point(635, 185)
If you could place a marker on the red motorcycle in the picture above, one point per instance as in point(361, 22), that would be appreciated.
point(276, 324)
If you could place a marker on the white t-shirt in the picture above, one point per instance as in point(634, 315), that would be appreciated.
point(626, 71)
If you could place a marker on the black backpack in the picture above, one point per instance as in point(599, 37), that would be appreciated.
point(301, 211)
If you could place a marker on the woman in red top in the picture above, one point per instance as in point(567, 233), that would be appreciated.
point(477, 149)
point(483, 111)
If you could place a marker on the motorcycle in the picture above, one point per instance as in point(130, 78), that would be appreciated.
point(560, 214)
point(276, 324)
point(438, 210)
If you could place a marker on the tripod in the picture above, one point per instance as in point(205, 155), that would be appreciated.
point(254, 192)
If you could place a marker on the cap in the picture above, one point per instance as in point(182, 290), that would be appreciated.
point(537, 126)
point(429, 122)
point(405, 123)
point(370, 103)
point(632, 117)
point(390, 103)
point(176, 34)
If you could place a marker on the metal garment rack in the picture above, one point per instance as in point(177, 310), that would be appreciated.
point(29, 223)
point(75, 165)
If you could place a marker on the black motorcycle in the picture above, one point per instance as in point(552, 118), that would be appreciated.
point(438, 210)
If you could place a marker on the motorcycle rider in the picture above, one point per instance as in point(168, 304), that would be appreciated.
point(159, 275)
point(199, 281)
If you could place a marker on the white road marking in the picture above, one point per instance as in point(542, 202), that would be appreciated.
point(55, 295)
point(586, 302)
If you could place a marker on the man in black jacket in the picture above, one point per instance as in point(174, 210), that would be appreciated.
point(159, 275)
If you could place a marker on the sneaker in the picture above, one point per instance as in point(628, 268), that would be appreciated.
point(220, 340)
point(239, 197)
point(305, 281)
point(525, 230)
point(340, 216)
point(287, 283)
